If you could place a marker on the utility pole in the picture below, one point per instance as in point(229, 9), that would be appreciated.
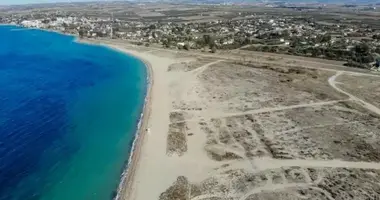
point(111, 25)
point(111, 34)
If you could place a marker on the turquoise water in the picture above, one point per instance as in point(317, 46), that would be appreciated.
point(68, 116)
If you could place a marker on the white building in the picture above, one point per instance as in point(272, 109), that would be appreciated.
point(32, 23)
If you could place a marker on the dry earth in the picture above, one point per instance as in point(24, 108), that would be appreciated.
point(276, 132)
point(367, 88)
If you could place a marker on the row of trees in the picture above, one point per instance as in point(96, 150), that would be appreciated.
point(359, 54)
point(205, 41)
point(376, 37)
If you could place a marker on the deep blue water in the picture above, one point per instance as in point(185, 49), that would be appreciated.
point(68, 116)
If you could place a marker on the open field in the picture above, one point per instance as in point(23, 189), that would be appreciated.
point(252, 113)
point(180, 12)
point(367, 88)
point(249, 116)
point(229, 128)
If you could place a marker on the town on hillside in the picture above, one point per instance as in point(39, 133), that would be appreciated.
point(337, 32)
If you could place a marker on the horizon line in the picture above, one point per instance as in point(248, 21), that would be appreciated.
point(186, 1)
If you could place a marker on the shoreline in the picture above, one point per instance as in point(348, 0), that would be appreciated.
point(128, 175)
point(126, 178)
point(129, 171)
point(144, 171)
point(76, 37)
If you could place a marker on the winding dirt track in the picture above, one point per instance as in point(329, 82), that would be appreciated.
point(352, 97)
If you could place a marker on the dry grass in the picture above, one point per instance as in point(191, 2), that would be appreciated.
point(176, 141)
point(178, 191)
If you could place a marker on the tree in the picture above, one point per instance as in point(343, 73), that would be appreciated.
point(207, 39)
point(265, 48)
point(325, 38)
point(46, 21)
point(81, 33)
point(295, 42)
point(362, 53)
point(361, 48)
point(315, 52)
point(200, 43)
point(170, 40)
point(166, 43)
point(285, 34)
point(187, 46)
point(377, 50)
point(273, 49)
point(213, 49)
point(212, 44)
point(246, 41)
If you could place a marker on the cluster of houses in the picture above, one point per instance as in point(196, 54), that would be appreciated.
point(281, 31)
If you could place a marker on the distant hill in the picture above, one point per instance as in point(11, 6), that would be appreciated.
point(276, 1)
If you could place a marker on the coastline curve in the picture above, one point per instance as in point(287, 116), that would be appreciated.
point(127, 177)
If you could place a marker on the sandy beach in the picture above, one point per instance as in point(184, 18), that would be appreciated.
point(151, 169)
point(147, 145)
point(216, 129)
point(126, 182)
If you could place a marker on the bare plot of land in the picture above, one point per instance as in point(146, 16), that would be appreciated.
point(341, 132)
point(192, 65)
point(271, 132)
point(366, 88)
point(293, 183)
point(227, 87)
point(150, 14)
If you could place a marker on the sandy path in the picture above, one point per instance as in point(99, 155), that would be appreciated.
point(270, 163)
point(352, 97)
point(211, 115)
point(276, 187)
point(201, 69)
point(188, 79)
point(293, 130)
point(266, 163)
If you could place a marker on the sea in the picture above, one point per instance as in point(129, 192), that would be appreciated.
point(68, 116)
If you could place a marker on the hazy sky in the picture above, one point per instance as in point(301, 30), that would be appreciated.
point(12, 2)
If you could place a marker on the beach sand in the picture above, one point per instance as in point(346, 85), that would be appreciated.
point(149, 164)
point(152, 171)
